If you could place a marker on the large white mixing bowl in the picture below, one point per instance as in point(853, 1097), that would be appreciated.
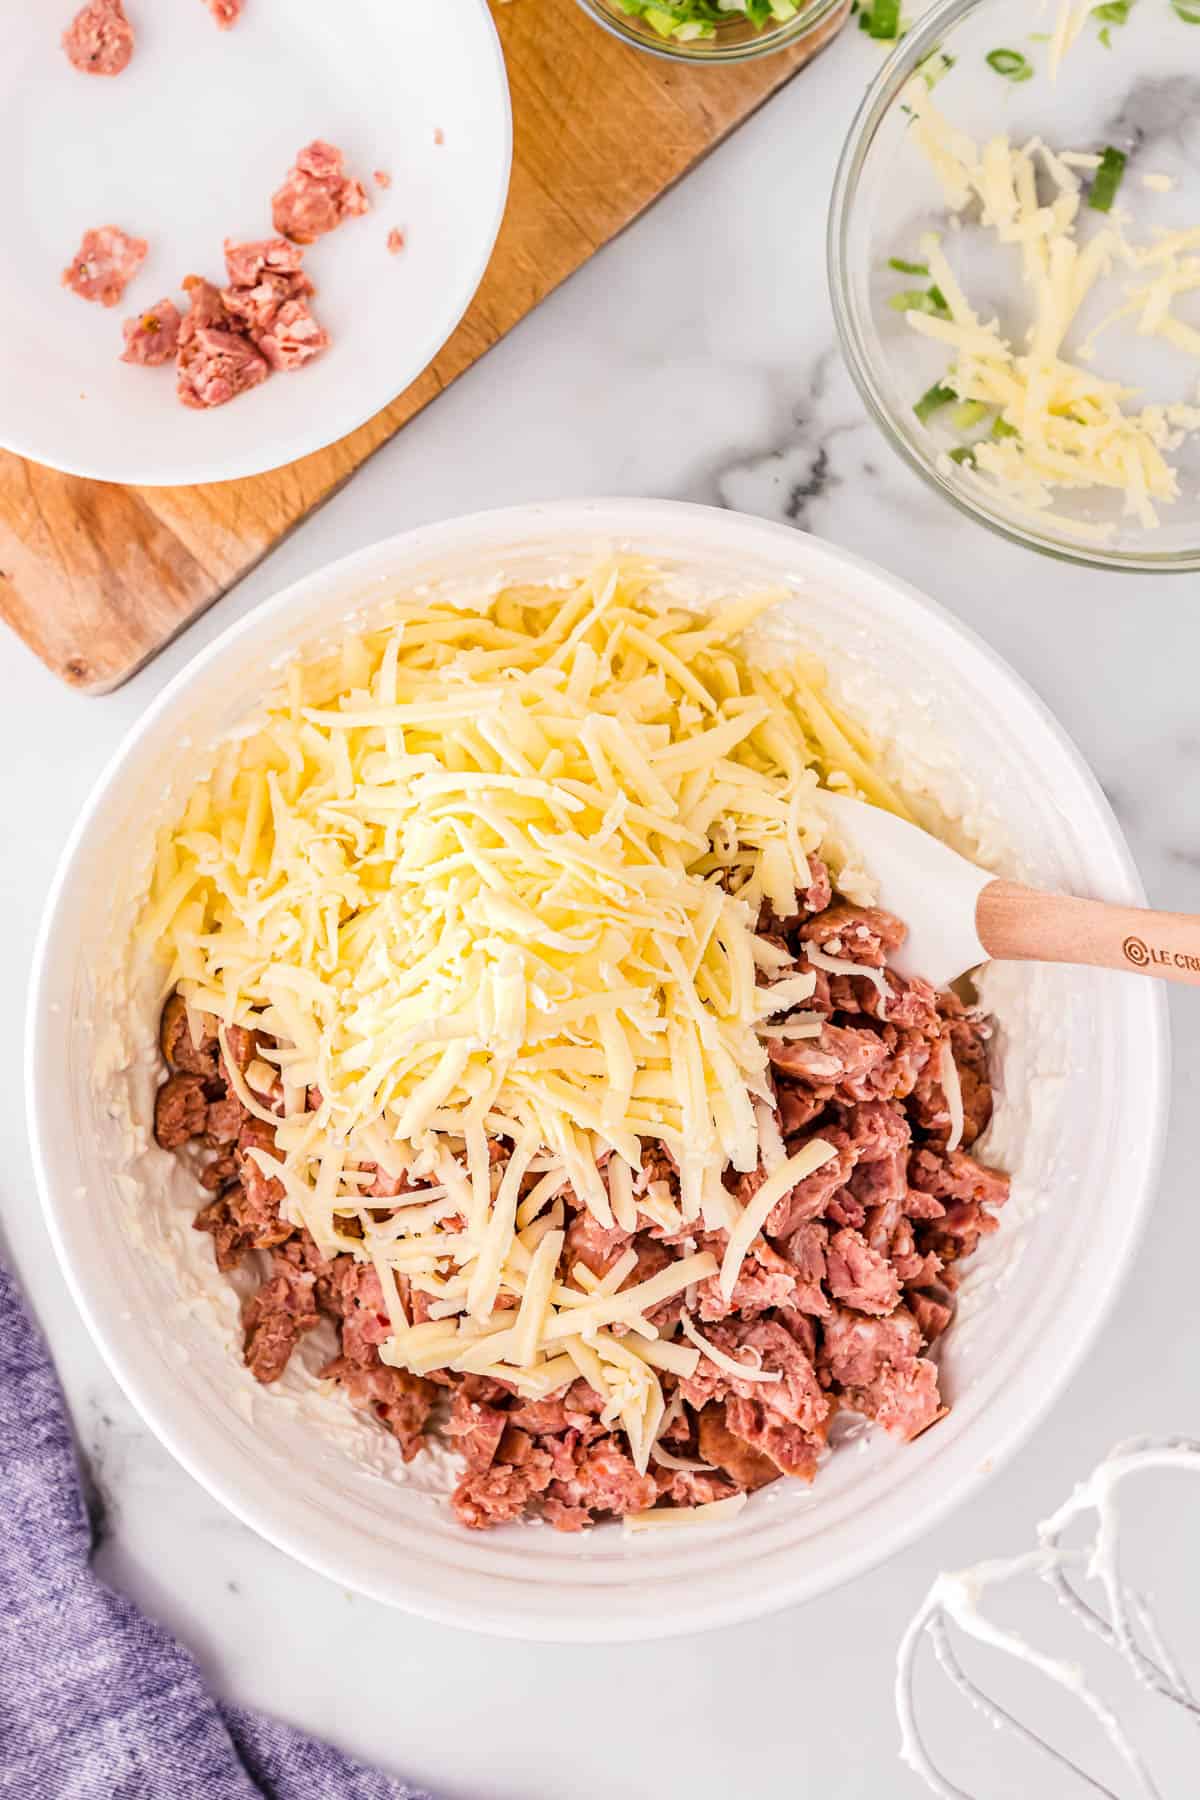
point(1080, 1120)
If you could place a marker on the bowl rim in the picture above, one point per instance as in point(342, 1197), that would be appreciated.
point(338, 425)
point(921, 41)
point(580, 524)
point(783, 34)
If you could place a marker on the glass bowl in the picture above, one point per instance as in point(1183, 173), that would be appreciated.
point(1134, 86)
point(816, 23)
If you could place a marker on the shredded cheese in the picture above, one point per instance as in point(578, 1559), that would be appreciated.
point(781, 995)
point(772, 1151)
point(666, 1459)
point(952, 1088)
point(730, 1364)
point(488, 873)
point(782, 1179)
point(1062, 425)
point(239, 1084)
point(679, 1359)
point(1070, 21)
point(838, 965)
point(659, 1518)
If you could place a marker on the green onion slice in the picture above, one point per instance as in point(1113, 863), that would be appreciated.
point(968, 415)
point(933, 400)
point(685, 20)
point(917, 300)
point(1012, 64)
point(885, 19)
point(935, 66)
point(1108, 179)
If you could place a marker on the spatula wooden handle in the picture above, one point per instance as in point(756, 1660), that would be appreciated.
point(1018, 924)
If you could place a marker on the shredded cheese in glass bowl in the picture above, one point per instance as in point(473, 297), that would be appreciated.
point(1015, 262)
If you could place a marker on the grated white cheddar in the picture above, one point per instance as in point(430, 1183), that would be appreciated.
point(758, 1209)
point(490, 869)
point(666, 1459)
point(952, 1088)
point(663, 1517)
point(842, 965)
point(721, 1359)
point(1064, 426)
point(1071, 18)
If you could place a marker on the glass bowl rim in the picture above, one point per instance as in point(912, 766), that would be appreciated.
point(920, 41)
point(812, 13)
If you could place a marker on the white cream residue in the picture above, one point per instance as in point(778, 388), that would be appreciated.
point(1123, 1622)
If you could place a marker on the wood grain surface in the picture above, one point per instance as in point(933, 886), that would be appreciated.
point(98, 578)
point(1018, 924)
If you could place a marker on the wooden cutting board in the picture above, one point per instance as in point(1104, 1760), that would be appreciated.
point(98, 578)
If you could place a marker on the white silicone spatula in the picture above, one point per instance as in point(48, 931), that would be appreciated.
point(959, 916)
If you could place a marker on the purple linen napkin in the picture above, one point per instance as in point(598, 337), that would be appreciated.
point(96, 1702)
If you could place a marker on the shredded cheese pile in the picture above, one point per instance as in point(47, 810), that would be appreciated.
point(1069, 22)
point(489, 873)
point(1067, 427)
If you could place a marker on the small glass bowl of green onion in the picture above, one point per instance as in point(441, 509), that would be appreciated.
point(720, 31)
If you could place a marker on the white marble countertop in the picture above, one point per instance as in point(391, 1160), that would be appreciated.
point(693, 358)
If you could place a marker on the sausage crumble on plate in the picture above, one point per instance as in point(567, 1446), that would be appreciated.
point(99, 40)
point(104, 264)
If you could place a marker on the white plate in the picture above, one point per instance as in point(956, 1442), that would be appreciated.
point(185, 149)
point(1082, 1137)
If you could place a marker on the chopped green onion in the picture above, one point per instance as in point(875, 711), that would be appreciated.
point(885, 19)
point(1187, 11)
point(1113, 12)
point(968, 415)
point(1011, 64)
point(914, 300)
point(687, 20)
point(935, 66)
point(932, 401)
point(1107, 180)
point(906, 268)
point(1002, 429)
point(964, 454)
